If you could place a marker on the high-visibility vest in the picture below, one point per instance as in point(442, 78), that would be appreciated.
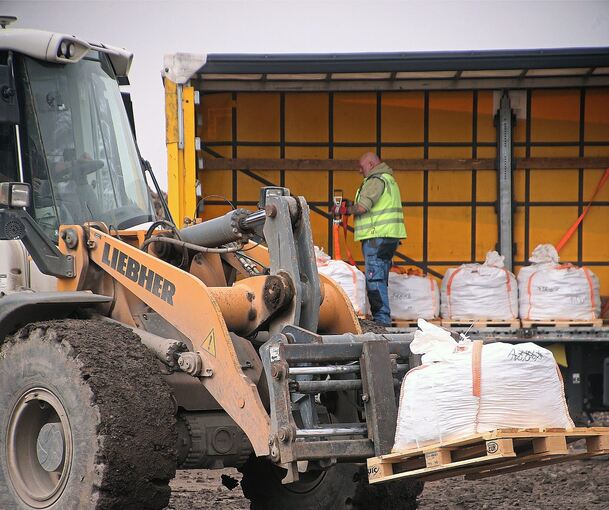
point(386, 218)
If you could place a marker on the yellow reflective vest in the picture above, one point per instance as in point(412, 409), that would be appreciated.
point(386, 218)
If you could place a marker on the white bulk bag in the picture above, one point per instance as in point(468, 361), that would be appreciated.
point(413, 296)
point(519, 386)
point(348, 277)
point(321, 257)
point(552, 291)
point(480, 291)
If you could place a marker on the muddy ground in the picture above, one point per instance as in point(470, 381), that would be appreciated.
point(577, 485)
point(569, 486)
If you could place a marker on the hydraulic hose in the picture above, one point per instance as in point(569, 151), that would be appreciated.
point(190, 246)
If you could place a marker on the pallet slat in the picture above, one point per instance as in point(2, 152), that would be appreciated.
point(488, 454)
point(594, 323)
point(595, 445)
point(399, 323)
point(480, 323)
point(511, 324)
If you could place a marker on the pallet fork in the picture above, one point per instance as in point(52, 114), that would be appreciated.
point(300, 365)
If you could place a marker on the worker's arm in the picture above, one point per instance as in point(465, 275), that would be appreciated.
point(370, 193)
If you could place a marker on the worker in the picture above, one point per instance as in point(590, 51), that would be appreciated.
point(379, 225)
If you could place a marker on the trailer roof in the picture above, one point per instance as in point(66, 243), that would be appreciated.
point(398, 71)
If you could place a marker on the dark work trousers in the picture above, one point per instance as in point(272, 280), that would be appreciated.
point(378, 253)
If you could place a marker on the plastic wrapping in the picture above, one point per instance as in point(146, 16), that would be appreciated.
point(348, 277)
point(452, 396)
point(549, 290)
point(480, 291)
point(413, 296)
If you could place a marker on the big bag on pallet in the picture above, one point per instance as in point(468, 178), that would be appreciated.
point(348, 277)
point(412, 296)
point(552, 291)
point(464, 388)
point(480, 291)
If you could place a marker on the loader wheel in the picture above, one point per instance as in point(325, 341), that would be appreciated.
point(87, 421)
point(342, 487)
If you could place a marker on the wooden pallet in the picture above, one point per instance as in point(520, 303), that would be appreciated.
point(412, 323)
point(481, 323)
point(594, 323)
point(488, 454)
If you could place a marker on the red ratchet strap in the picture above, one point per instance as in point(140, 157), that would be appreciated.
point(336, 240)
point(574, 227)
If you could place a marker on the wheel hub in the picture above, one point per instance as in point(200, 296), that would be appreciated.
point(50, 446)
point(39, 447)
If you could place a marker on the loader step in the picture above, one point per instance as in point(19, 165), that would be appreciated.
point(594, 323)
point(489, 454)
point(481, 323)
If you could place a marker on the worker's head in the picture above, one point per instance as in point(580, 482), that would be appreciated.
point(367, 162)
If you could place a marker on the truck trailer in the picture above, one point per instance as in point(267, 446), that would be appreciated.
point(494, 149)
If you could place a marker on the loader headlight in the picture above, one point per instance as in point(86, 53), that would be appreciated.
point(15, 194)
point(66, 49)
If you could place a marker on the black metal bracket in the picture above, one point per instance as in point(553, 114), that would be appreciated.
point(379, 395)
point(17, 224)
point(288, 234)
point(297, 364)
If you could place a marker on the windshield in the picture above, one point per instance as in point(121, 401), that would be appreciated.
point(79, 150)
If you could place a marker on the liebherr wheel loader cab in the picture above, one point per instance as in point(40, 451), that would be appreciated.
point(130, 348)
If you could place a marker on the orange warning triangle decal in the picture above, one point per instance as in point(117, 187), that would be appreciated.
point(209, 344)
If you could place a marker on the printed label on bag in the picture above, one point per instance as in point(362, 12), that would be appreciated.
point(526, 356)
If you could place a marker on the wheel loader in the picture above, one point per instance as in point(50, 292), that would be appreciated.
point(131, 348)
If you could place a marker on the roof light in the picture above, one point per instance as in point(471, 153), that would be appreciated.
point(66, 49)
point(63, 49)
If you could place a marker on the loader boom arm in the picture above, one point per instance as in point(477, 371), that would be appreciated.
point(188, 304)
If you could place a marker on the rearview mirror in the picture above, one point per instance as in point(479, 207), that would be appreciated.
point(15, 194)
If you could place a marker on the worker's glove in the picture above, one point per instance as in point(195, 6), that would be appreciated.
point(344, 207)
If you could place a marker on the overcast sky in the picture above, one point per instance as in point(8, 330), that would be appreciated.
point(153, 28)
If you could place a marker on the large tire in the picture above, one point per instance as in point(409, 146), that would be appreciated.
point(87, 421)
point(342, 487)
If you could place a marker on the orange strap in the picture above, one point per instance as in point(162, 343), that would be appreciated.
point(591, 285)
point(574, 227)
point(449, 287)
point(509, 291)
point(336, 240)
point(410, 271)
point(476, 367)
